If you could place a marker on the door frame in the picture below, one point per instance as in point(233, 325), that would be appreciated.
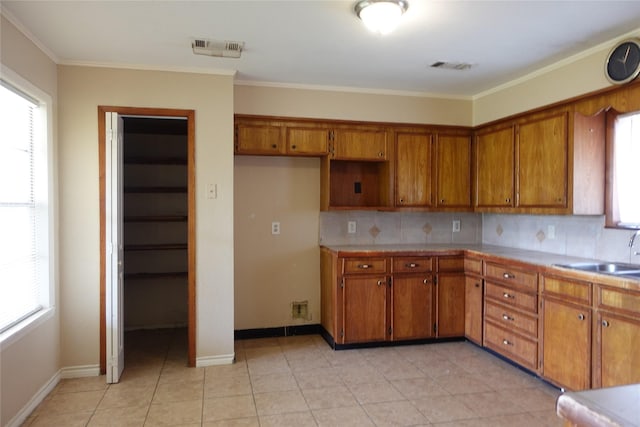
point(191, 225)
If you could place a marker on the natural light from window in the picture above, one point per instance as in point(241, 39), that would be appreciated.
point(19, 221)
point(627, 164)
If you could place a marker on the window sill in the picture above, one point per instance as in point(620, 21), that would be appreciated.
point(23, 328)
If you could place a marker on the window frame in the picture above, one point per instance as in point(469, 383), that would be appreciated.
point(45, 172)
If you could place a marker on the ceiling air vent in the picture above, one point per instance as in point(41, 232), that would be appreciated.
point(223, 49)
point(448, 65)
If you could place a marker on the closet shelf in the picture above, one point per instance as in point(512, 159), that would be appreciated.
point(155, 190)
point(141, 160)
point(155, 247)
point(168, 275)
point(156, 218)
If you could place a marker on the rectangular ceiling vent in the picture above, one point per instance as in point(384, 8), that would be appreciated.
point(222, 49)
point(449, 65)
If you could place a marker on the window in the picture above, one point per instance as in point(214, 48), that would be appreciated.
point(24, 209)
point(623, 210)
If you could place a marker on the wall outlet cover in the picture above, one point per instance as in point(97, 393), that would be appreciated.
point(351, 227)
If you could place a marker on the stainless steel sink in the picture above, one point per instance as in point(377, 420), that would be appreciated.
point(614, 268)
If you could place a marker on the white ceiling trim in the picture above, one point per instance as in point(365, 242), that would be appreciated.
point(28, 34)
point(144, 67)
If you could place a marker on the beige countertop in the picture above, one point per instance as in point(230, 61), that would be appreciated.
point(605, 407)
point(543, 260)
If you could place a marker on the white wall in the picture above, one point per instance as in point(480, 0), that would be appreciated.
point(29, 364)
point(82, 90)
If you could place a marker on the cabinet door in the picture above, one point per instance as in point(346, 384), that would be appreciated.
point(412, 307)
point(413, 169)
point(360, 145)
point(473, 309)
point(494, 168)
point(307, 141)
point(365, 309)
point(259, 139)
point(451, 316)
point(453, 166)
point(542, 162)
point(566, 358)
point(619, 355)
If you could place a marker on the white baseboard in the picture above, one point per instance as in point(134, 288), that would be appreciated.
point(37, 398)
point(80, 371)
point(225, 359)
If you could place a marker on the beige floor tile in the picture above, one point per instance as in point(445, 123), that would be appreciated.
point(329, 397)
point(271, 365)
point(120, 417)
point(75, 385)
point(520, 420)
point(72, 419)
point(548, 419)
point(318, 378)
point(72, 402)
point(531, 399)
point(273, 382)
point(375, 392)
point(462, 384)
point(489, 404)
point(121, 395)
point(401, 413)
point(227, 408)
point(179, 391)
point(293, 419)
point(140, 375)
point(181, 374)
point(353, 416)
point(227, 386)
point(174, 413)
point(238, 422)
point(437, 368)
point(363, 374)
point(280, 402)
point(261, 343)
point(440, 409)
point(237, 369)
point(419, 388)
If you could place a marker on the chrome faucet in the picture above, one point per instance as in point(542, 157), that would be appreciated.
point(633, 238)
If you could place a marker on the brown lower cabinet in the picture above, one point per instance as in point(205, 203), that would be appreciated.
point(365, 300)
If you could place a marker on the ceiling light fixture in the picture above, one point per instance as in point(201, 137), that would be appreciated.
point(381, 16)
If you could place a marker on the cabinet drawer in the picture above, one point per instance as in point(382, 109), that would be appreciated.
point(512, 319)
point(412, 265)
point(619, 300)
point(472, 265)
point(568, 289)
point(516, 276)
point(512, 297)
point(520, 349)
point(450, 264)
point(364, 265)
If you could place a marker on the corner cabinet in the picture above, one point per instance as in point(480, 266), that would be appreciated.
point(550, 162)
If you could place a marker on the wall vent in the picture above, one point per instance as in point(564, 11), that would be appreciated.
point(450, 65)
point(222, 49)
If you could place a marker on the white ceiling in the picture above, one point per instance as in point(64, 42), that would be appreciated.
point(323, 43)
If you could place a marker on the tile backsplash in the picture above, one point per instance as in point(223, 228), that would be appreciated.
point(580, 236)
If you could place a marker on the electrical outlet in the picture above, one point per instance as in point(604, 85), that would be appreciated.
point(456, 225)
point(212, 191)
point(275, 228)
point(351, 227)
point(551, 232)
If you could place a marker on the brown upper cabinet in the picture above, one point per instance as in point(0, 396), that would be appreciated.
point(359, 144)
point(549, 162)
point(453, 171)
point(280, 137)
point(413, 169)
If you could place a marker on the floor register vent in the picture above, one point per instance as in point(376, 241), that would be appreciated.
point(222, 49)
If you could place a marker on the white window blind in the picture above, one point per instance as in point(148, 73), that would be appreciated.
point(19, 222)
point(627, 153)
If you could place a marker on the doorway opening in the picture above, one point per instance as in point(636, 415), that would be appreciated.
point(157, 174)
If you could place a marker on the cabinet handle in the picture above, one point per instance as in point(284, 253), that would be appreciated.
point(507, 342)
point(477, 285)
point(411, 265)
point(380, 282)
point(606, 324)
point(506, 295)
point(507, 317)
point(401, 200)
point(508, 275)
point(580, 316)
point(425, 281)
point(364, 266)
point(442, 201)
point(508, 200)
point(381, 154)
point(293, 147)
point(274, 146)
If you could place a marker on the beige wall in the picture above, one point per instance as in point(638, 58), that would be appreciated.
point(29, 363)
point(82, 89)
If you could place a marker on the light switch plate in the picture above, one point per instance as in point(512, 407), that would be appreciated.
point(351, 227)
point(456, 225)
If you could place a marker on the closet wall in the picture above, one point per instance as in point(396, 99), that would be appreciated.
point(155, 223)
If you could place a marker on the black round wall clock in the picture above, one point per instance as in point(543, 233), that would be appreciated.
point(623, 62)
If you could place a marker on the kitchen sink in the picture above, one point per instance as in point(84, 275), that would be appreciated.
point(614, 268)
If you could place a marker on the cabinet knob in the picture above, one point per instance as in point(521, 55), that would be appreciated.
point(507, 317)
point(442, 201)
point(477, 285)
point(401, 200)
point(509, 276)
point(606, 324)
point(364, 266)
point(380, 282)
point(506, 295)
point(580, 316)
point(425, 281)
point(274, 146)
point(293, 147)
point(508, 200)
point(381, 154)
point(507, 342)
point(411, 265)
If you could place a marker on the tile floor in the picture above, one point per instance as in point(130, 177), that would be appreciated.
point(300, 381)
